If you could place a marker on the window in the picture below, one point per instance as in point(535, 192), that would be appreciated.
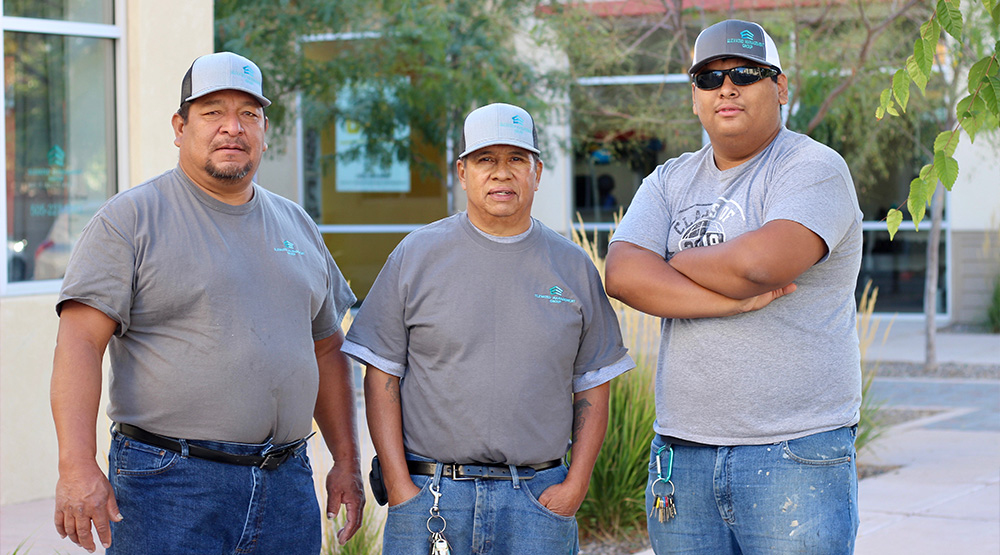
point(364, 207)
point(61, 151)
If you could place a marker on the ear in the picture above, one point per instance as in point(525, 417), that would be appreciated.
point(177, 122)
point(782, 89)
point(538, 173)
point(694, 102)
point(460, 170)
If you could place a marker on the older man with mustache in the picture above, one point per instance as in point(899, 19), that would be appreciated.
point(220, 306)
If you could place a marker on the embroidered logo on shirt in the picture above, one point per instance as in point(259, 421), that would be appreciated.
point(555, 296)
point(289, 248)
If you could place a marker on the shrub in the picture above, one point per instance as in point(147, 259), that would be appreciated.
point(615, 502)
point(993, 310)
point(871, 425)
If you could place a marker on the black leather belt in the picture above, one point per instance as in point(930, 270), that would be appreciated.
point(473, 471)
point(269, 461)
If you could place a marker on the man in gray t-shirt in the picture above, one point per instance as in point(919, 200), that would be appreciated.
point(489, 345)
point(220, 307)
point(754, 398)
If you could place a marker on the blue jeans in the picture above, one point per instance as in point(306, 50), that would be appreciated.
point(482, 516)
point(797, 496)
point(172, 503)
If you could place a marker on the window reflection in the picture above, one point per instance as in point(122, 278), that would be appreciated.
point(81, 11)
point(60, 158)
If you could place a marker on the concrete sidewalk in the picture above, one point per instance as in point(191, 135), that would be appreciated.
point(943, 497)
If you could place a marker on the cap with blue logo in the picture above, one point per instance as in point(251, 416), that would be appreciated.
point(498, 124)
point(734, 39)
point(222, 71)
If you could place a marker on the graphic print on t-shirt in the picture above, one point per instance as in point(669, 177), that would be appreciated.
point(707, 227)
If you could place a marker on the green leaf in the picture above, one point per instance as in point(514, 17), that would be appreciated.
point(901, 88)
point(983, 68)
point(929, 177)
point(919, 77)
point(885, 105)
point(923, 54)
point(930, 30)
point(916, 207)
point(970, 111)
point(892, 221)
point(946, 168)
point(991, 93)
point(951, 17)
point(946, 142)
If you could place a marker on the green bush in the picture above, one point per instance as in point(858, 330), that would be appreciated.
point(615, 502)
point(871, 425)
point(993, 310)
point(366, 541)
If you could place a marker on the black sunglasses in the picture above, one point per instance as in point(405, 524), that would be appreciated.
point(740, 76)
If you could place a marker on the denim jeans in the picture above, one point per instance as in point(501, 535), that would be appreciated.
point(483, 517)
point(797, 496)
point(173, 503)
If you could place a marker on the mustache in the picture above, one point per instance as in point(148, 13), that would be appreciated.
point(238, 141)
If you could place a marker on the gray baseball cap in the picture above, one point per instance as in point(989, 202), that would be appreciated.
point(498, 124)
point(734, 39)
point(221, 71)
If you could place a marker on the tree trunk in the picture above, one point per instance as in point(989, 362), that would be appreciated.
point(931, 281)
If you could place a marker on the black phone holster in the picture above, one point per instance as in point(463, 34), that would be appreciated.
point(377, 484)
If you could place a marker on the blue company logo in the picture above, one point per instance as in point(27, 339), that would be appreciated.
point(516, 120)
point(289, 248)
point(248, 71)
point(555, 296)
point(746, 40)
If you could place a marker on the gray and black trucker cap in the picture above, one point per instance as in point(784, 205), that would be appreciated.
point(498, 124)
point(221, 71)
point(734, 39)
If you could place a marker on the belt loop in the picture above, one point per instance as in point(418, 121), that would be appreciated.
point(436, 480)
point(184, 448)
point(514, 477)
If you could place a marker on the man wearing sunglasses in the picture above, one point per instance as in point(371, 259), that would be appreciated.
point(757, 401)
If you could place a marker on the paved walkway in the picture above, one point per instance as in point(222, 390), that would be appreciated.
point(942, 497)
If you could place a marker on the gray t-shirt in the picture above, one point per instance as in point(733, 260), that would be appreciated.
point(490, 340)
point(792, 368)
point(217, 308)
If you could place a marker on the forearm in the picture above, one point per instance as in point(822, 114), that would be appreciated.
point(723, 269)
point(645, 281)
point(335, 411)
point(385, 424)
point(75, 390)
point(755, 262)
point(75, 396)
point(590, 424)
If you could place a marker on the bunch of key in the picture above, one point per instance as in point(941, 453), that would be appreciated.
point(664, 507)
point(439, 545)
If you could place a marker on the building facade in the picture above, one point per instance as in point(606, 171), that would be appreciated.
point(90, 86)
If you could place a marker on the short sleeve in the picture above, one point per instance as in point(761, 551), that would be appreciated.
point(380, 327)
point(601, 339)
point(101, 270)
point(819, 195)
point(338, 301)
point(646, 223)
